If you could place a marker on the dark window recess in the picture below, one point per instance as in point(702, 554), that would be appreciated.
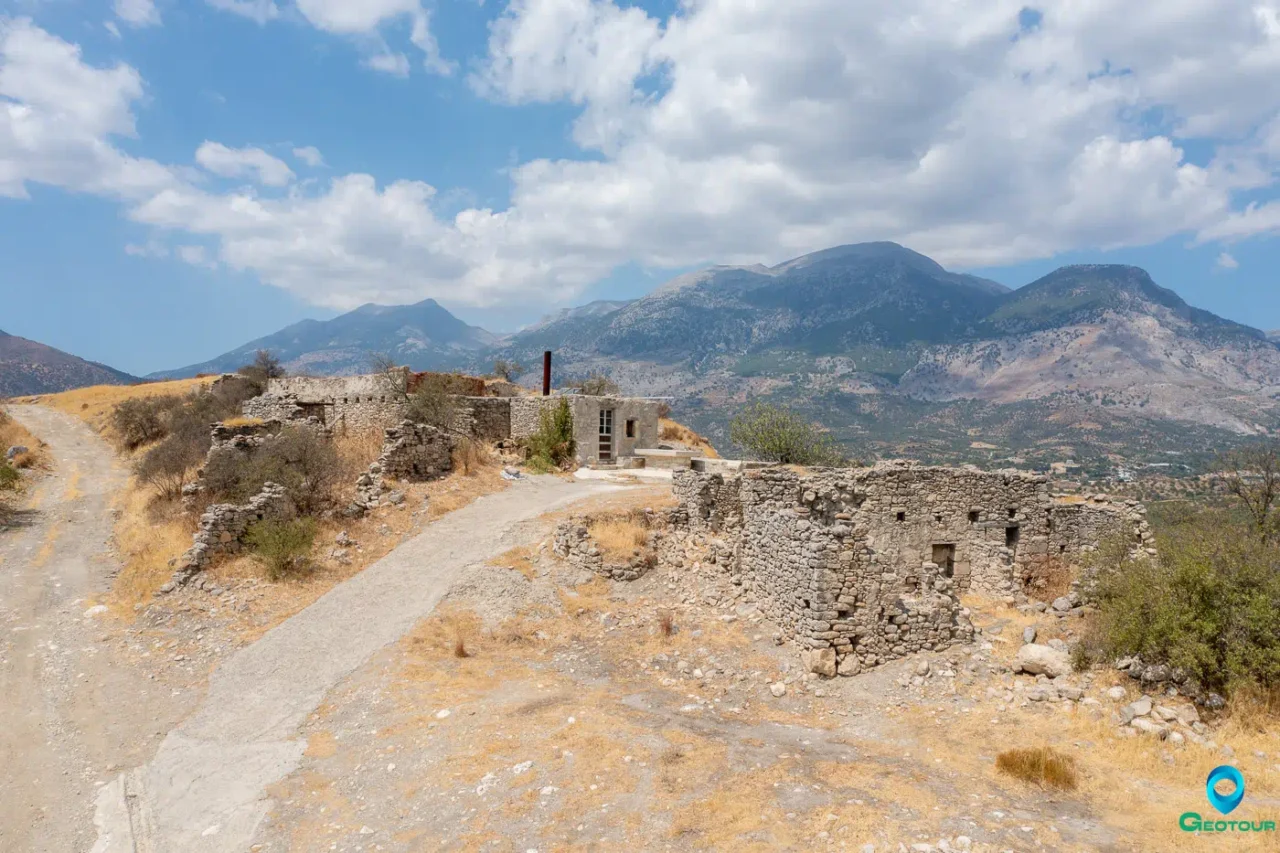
point(944, 556)
point(1062, 549)
point(902, 516)
point(937, 519)
point(973, 516)
point(1013, 512)
point(1011, 535)
point(631, 429)
point(1050, 520)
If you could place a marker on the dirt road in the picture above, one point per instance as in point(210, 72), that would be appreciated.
point(61, 685)
point(204, 789)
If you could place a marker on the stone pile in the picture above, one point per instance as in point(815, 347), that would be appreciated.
point(222, 531)
point(410, 452)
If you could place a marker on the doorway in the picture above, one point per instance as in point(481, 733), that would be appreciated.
point(606, 435)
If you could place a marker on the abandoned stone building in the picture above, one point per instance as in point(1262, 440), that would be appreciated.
point(865, 565)
point(607, 430)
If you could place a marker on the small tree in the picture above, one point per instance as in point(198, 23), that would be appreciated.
point(428, 401)
point(1252, 476)
point(776, 434)
point(264, 366)
point(507, 370)
point(165, 466)
point(143, 420)
point(598, 385)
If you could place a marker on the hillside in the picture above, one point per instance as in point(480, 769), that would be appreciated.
point(424, 336)
point(29, 367)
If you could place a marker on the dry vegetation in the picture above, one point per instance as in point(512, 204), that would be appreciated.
point(14, 434)
point(672, 431)
point(94, 405)
point(1040, 766)
point(620, 535)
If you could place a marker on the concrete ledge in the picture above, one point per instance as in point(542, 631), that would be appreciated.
point(725, 466)
point(666, 459)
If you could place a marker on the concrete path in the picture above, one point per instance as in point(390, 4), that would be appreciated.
point(68, 708)
point(204, 791)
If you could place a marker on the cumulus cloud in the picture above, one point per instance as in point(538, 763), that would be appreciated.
point(137, 13)
point(196, 256)
point(310, 155)
point(1227, 262)
point(244, 162)
point(731, 131)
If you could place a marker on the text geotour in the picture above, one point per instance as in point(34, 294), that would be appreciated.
point(1225, 803)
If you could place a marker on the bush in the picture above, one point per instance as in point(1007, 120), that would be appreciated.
point(552, 446)
point(1042, 766)
point(507, 370)
point(165, 466)
point(305, 464)
point(431, 402)
point(9, 476)
point(1208, 604)
point(143, 420)
point(283, 546)
point(776, 434)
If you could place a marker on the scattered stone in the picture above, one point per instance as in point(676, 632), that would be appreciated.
point(778, 689)
point(1116, 694)
point(1062, 604)
point(14, 452)
point(1042, 660)
point(820, 662)
point(1028, 634)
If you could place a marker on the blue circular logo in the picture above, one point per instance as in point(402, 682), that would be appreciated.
point(1225, 803)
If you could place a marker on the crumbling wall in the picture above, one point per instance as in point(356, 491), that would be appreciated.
point(223, 527)
point(416, 452)
point(526, 414)
point(573, 542)
point(484, 418)
point(869, 562)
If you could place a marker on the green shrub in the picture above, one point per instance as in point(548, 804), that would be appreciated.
point(552, 446)
point(776, 434)
point(264, 367)
point(283, 546)
point(9, 476)
point(305, 464)
point(1209, 604)
point(597, 385)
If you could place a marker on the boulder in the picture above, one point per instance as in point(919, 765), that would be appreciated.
point(1042, 660)
point(1029, 634)
point(13, 452)
point(820, 661)
point(1062, 604)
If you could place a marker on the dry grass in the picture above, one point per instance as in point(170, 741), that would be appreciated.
point(13, 433)
point(619, 537)
point(243, 422)
point(666, 623)
point(94, 405)
point(358, 449)
point(147, 535)
point(670, 430)
point(517, 559)
point(1042, 766)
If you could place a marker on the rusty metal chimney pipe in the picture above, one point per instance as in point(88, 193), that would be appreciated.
point(546, 373)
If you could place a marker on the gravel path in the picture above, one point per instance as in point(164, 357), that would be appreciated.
point(69, 707)
point(204, 789)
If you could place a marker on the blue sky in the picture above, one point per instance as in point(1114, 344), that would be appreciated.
point(177, 178)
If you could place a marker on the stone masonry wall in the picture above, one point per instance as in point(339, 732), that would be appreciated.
point(484, 418)
point(869, 562)
point(223, 527)
point(416, 452)
point(573, 542)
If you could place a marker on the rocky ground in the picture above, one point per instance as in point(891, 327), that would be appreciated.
point(545, 709)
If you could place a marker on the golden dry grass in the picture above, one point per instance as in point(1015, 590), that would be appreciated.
point(1043, 766)
point(619, 537)
point(13, 433)
point(148, 535)
point(93, 405)
point(357, 450)
point(243, 422)
point(670, 430)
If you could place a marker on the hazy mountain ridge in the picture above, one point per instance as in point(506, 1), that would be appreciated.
point(29, 367)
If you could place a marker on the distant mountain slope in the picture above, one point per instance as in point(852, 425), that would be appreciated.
point(28, 367)
point(425, 336)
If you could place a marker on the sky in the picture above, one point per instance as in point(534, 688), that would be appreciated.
point(178, 177)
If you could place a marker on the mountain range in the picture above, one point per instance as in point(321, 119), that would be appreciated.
point(1095, 365)
point(28, 367)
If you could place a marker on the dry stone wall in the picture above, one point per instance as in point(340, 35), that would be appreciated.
point(413, 452)
point(223, 528)
point(869, 562)
point(573, 542)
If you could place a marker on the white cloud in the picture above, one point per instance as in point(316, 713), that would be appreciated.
point(244, 162)
point(733, 131)
point(1227, 262)
point(310, 155)
point(259, 11)
point(197, 256)
point(150, 249)
point(137, 13)
point(395, 64)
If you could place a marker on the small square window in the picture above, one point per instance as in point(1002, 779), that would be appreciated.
point(902, 516)
point(973, 516)
point(631, 429)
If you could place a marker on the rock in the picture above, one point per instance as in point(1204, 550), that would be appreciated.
point(1227, 752)
point(1187, 714)
point(96, 610)
point(395, 498)
point(1062, 604)
point(922, 668)
point(1029, 634)
point(1156, 674)
point(820, 662)
point(1055, 643)
point(1133, 710)
point(15, 451)
point(1176, 738)
point(1164, 714)
point(1215, 702)
point(849, 666)
point(1042, 660)
point(344, 540)
point(778, 689)
point(1147, 726)
point(1116, 694)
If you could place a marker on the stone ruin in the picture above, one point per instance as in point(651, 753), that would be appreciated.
point(222, 531)
point(410, 452)
point(865, 565)
point(573, 542)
